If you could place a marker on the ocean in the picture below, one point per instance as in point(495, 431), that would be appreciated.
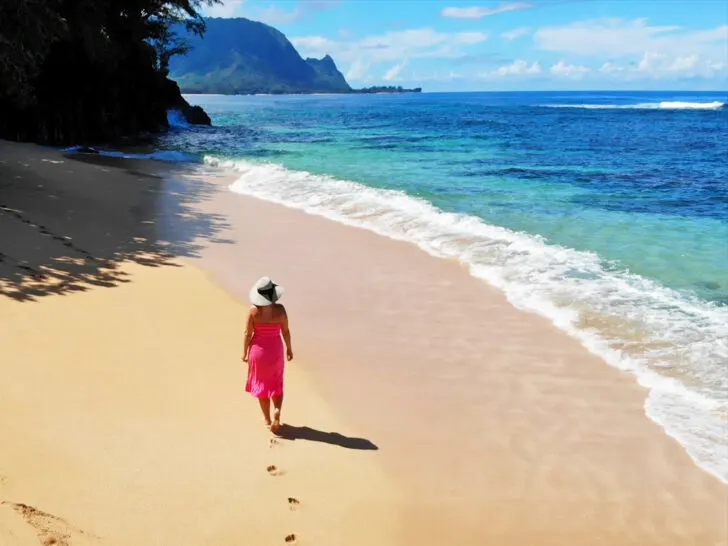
point(606, 212)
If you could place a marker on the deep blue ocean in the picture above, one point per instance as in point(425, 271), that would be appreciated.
point(606, 212)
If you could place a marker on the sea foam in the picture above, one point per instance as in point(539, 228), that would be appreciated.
point(176, 118)
point(674, 344)
point(664, 105)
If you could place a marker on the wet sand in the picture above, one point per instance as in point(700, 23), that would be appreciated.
point(499, 427)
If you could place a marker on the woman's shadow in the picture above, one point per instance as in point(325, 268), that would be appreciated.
point(290, 432)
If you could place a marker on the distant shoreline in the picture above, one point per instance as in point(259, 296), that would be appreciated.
point(367, 91)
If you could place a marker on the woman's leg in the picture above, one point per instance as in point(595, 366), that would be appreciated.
point(277, 405)
point(265, 408)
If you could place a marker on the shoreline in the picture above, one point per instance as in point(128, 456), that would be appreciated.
point(619, 340)
point(307, 93)
point(561, 382)
point(540, 438)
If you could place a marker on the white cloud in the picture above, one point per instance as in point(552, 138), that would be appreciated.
point(634, 49)
point(684, 64)
point(314, 46)
point(650, 61)
point(658, 66)
point(470, 37)
point(358, 70)
point(616, 37)
point(519, 67)
point(393, 73)
point(320, 5)
point(273, 15)
point(655, 66)
point(516, 68)
point(568, 70)
point(270, 14)
point(609, 67)
point(478, 12)
point(515, 33)
point(390, 46)
point(362, 54)
point(436, 76)
point(229, 8)
point(612, 36)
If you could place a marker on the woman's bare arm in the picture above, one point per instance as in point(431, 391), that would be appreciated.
point(248, 335)
point(286, 333)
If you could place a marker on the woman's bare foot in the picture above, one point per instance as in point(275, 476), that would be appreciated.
point(268, 423)
point(276, 425)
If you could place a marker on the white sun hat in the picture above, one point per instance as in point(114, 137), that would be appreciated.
point(265, 292)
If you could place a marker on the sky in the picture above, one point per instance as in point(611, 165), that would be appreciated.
point(466, 45)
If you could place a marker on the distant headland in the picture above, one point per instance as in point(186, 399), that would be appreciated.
point(238, 56)
point(388, 89)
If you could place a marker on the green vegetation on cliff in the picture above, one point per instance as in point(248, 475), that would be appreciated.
point(81, 71)
point(239, 56)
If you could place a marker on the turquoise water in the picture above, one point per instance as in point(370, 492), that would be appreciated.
point(601, 180)
point(605, 212)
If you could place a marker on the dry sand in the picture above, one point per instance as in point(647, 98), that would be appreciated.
point(122, 413)
point(124, 421)
point(123, 418)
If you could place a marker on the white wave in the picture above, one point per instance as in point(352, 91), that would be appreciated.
point(581, 294)
point(665, 105)
point(692, 105)
point(176, 118)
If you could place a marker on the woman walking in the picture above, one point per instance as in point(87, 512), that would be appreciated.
point(263, 350)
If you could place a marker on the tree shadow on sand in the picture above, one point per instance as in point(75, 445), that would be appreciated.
point(290, 432)
point(67, 221)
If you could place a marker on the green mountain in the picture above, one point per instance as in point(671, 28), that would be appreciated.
point(239, 56)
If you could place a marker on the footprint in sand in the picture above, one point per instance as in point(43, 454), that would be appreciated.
point(274, 443)
point(273, 470)
point(51, 530)
point(293, 503)
point(291, 538)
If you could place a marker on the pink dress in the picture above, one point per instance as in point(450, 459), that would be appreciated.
point(265, 361)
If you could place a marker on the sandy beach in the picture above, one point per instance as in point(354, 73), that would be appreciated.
point(122, 413)
point(422, 407)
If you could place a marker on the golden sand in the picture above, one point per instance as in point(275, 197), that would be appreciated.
point(423, 408)
point(124, 421)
